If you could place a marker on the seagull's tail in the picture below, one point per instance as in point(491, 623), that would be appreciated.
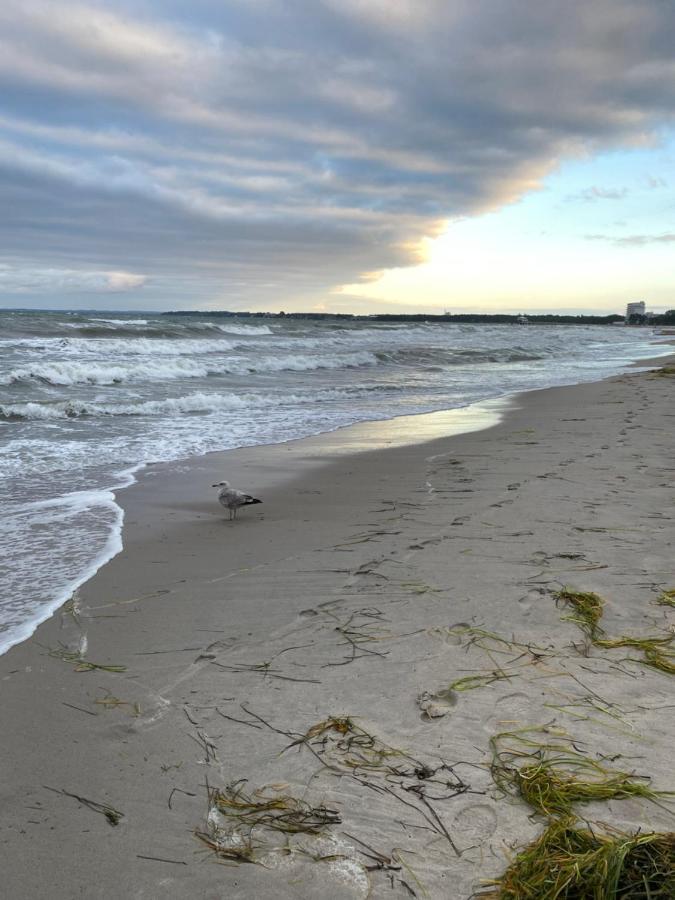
point(250, 500)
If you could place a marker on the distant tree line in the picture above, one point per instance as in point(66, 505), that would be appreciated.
point(667, 318)
point(504, 319)
point(468, 318)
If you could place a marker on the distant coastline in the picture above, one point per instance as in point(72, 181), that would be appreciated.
point(459, 318)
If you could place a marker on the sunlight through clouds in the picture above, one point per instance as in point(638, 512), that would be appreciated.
point(267, 155)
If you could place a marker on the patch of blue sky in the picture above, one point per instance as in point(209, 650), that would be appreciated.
point(613, 193)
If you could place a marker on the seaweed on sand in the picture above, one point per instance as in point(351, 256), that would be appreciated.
point(570, 863)
point(552, 786)
point(109, 701)
point(657, 659)
point(667, 597)
point(419, 587)
point(362, 626)
point(345, 748)
point(280, 812)
point(229, 847)
point(246, 826)
point(471, 682)
point(240, 822)
point(471, 636)
point(552, 777)
point(82, 664)
point(346, 744)
point(112, 815)
point(653, 649)
point(587, 610)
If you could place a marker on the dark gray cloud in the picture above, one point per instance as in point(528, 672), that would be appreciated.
point(265, 149)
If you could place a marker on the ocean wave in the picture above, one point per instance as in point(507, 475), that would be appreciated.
point(300, 363)
point(115, 347)
point(71, 372)
point(111, 328)
point(74, 409)
point(198, 402)
point(437, 357)
point(253, 330)
point(65, 373)
point(110, 332)
point(122, 321)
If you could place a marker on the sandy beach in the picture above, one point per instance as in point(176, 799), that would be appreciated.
point(306, 651)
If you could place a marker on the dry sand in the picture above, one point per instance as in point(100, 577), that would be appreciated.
point(338, 597)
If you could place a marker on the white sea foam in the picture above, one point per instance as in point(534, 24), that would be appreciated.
point(122, 321)
point(71, 372)
point(198, 402)
point(112, 347)
point(243, 329)
point(144, 346)
point(35, 592)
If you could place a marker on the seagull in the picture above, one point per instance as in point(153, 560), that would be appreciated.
point(232, 499)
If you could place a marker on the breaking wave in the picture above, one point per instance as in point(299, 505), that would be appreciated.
point(433, 356)
point(111, 328)
point(116, 322)
point(196, 403)
point(140, 346)
point(72, 373)
point(253, 330)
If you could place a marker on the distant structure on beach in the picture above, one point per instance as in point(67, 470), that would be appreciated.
point(636, 308)
point(637, 314)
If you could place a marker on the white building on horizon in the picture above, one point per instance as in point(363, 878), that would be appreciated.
point(635, 309)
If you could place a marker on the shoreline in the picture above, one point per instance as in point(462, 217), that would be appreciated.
point(338, 536)
point(353, 438)
point(443, 422)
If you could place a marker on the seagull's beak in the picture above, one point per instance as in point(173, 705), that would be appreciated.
point(215, 485)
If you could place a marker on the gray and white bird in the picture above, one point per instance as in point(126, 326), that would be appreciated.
point(232, 499)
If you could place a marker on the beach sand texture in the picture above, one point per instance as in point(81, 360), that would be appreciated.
point(293, 651)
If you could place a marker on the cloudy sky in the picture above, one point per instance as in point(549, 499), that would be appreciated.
point(354, 155)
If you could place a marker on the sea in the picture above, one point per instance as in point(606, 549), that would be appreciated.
point(88, 399)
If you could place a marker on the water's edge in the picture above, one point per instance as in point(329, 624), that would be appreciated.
point(475, 416)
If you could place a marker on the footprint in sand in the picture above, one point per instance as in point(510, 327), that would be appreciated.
point(475, 823)
point(453, 634)
point(435, 706)
point(510, 712)
point(525, 602)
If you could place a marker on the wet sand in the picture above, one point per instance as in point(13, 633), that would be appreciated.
point(339, 599)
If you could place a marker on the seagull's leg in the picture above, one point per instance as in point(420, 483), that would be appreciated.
point(230, 514)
